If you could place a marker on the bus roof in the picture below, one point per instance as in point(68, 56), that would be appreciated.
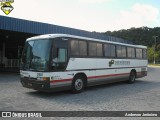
point(47, 36)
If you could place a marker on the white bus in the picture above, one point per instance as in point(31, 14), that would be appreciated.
point(60, 61)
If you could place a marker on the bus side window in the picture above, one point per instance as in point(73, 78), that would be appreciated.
point(119, 51)
point(113, 51)
point(123, 52)
point(138, 53)
point(129, 52)
point(99, 50)
point(74, 47)
point(107, 50)
point(133, 53)
point(92, 49)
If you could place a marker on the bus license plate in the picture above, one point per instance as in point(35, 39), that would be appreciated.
point(29, 84)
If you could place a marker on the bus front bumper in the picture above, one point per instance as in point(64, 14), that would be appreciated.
point(35, 84)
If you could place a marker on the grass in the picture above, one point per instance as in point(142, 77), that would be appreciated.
point(154, 64)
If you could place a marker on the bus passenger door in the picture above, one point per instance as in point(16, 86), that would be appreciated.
point(59, 54)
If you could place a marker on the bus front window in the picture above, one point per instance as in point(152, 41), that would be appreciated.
point(36, 55)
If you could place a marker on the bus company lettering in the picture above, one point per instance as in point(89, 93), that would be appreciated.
point(111, 63)
point(122, 62)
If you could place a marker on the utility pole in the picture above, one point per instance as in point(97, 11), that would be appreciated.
point(154, 48)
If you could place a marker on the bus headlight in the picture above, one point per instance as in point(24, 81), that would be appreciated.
point(43, 78)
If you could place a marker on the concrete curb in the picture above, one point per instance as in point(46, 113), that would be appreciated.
point(154, 66)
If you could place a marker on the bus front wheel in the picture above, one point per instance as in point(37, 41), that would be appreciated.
point(78, 84)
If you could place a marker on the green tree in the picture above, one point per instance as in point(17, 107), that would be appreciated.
point(141, 36)
point(150, 54)
point(158, 57)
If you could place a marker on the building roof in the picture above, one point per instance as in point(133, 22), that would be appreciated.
point(26, 26)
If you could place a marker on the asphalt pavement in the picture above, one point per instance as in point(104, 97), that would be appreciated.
point(143, 95)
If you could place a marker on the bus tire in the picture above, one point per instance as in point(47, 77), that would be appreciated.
point(132, 77)
point(78, 84)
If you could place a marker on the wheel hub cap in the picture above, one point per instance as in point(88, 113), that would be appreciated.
point(78, 84)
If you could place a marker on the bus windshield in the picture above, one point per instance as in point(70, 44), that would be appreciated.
point(36, 55)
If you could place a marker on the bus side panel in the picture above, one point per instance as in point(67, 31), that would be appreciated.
point(97, 70)
point(119, 70)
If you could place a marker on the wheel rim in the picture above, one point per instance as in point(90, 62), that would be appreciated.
point(132, 77)
point(78, 84)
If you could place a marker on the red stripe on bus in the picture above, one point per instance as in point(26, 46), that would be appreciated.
point(111, 75)
point(70, 79)
point(62, 80)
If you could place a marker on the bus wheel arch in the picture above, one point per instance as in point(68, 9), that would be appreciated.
point(132, 76)
point(79, 82)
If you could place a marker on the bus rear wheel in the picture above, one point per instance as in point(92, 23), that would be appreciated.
point(132, 77)
point(78, 84)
